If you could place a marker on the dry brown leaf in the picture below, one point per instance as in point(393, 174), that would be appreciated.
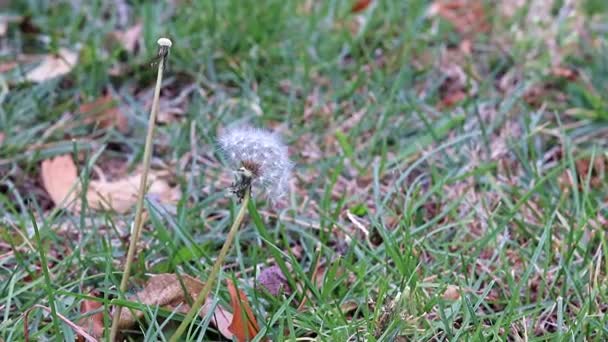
point(106, 113)
point(587, 172)
point(451, 293)
point(273, 279)
point(121, 195)
point(53, 66)
point(467, 16)
point(594, 173)
point(452, 98)
point(167, 291)
point(92, 324)
point(360, 5)
point(349, 306)
point(457, 85)
point(129, 38)
point(8, 66)
point(59, 176)
point(565, 72)
point(60, 179)
point(244, 325)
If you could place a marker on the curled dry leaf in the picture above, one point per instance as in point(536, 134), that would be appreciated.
point(244, 325)
point(60, 179)
point(106, 113)
point(53, 66)
point(169, 291)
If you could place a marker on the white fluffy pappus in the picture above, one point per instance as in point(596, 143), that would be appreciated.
point(263, 153)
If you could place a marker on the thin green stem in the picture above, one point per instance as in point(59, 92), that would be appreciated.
point(215, 270)
point(47, 277)
point(137, 225)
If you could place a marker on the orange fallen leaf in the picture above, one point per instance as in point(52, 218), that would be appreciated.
point(360, 6)
point(60, 179)
point(92, 324)
point(53, 66)
point(169, 291)
point(244, 325)
point(106, 113)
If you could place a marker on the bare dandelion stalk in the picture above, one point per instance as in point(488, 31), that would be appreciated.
point(163, 52)
point(260, 159)
point(202, 296)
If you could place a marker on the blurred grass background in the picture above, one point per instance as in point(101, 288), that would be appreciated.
point(450, 179)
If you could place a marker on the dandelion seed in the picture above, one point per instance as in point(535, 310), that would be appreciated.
point(260, 158)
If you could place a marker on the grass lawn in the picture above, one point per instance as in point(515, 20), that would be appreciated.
point(449, 181)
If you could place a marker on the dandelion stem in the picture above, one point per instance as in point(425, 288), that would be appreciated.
point(215, 269)
point(164, 44)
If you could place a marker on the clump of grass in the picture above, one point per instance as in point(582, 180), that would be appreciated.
point(262, 160)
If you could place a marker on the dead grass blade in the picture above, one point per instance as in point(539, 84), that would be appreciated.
point(72, 325)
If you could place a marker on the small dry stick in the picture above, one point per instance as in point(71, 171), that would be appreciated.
point(163, 52)
point(215, 270)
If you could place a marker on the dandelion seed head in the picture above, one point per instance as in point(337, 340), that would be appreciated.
point(263, 154)
point(164, 42)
